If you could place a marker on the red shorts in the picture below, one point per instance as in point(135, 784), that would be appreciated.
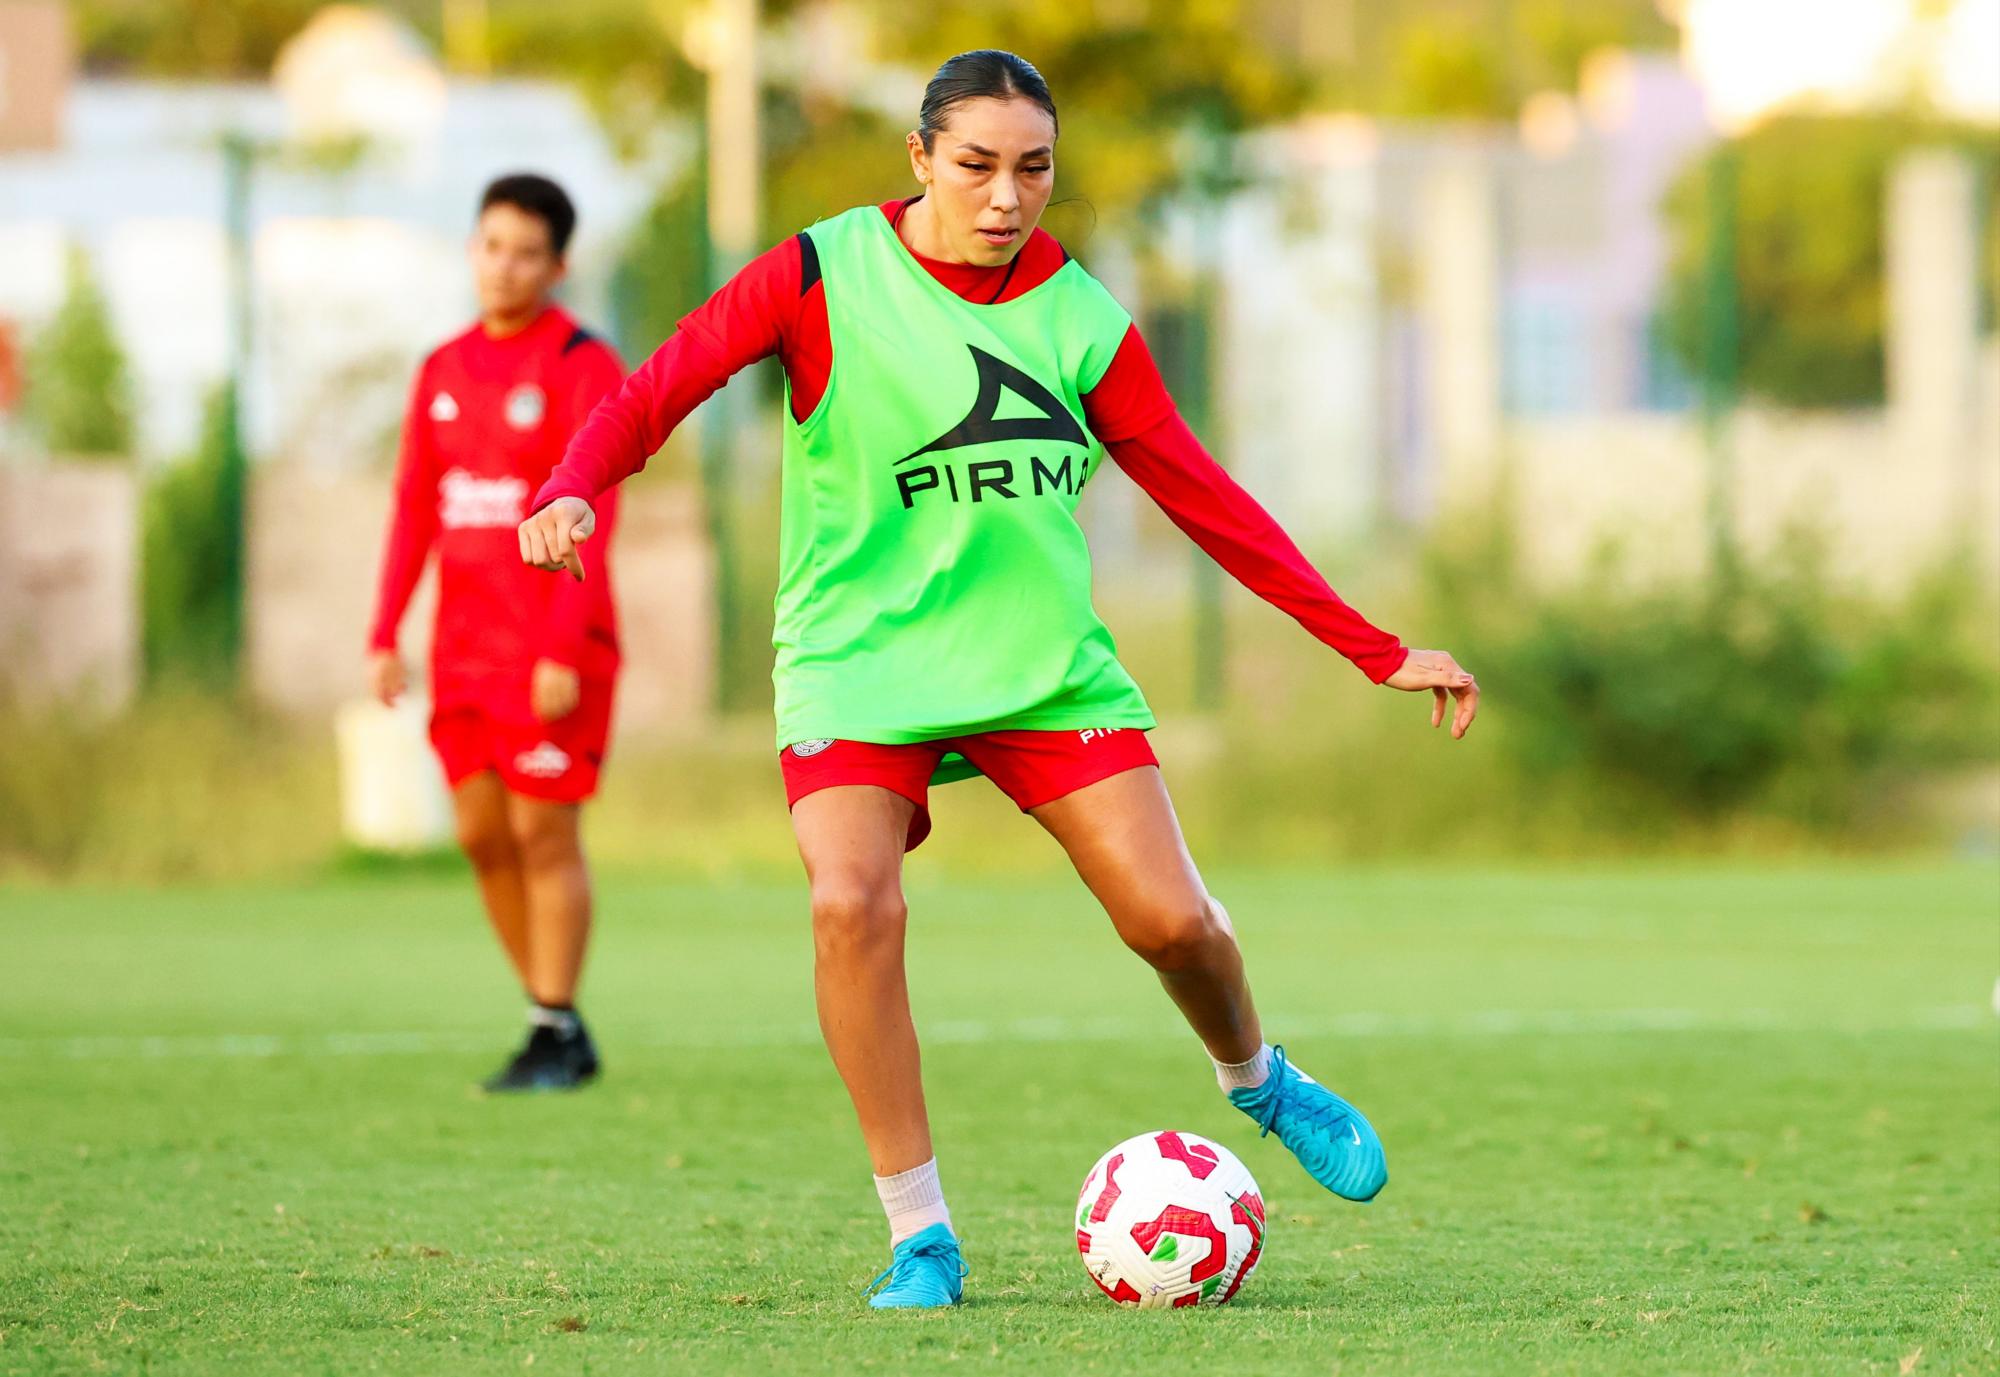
point(1031, 768)
point(557, 761)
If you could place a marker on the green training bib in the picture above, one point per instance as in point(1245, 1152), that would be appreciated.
point(934, 580)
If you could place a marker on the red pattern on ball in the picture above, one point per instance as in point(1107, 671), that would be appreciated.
point(1200, 1159)
point(1179, 1219)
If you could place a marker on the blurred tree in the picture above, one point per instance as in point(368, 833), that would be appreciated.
point(663, 272)
point(1127, 78)
point(212, 38)
point(1449, 72)
point(1808, 254)
point(79, 395)
point(1130, 69)
point(191, 558)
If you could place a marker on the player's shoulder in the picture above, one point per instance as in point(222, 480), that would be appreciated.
point(451, 350)
point(579, 346)
point(1044, 254)
point(1054, 259)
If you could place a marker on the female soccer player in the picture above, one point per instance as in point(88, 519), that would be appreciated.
point(954, 379)
point(521, 669)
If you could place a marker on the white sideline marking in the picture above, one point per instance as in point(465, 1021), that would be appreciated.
point(1490, 1023)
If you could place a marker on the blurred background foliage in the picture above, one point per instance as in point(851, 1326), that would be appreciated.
point(191, 612)
point(78, 398)
point(1128, 74)
point(1773, 710)
point(1776, 716)
point(1809, 250)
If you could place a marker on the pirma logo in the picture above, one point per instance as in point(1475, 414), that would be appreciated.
point(983, 424)
point(444, 407)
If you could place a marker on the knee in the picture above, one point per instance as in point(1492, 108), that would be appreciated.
point(487, 843)
point(1180, 933)
point(857, 921)
point(546, 842)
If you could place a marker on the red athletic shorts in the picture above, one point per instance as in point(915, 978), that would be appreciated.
point(1031, 768)
point(557, 761)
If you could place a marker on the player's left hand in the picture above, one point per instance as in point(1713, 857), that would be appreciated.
point(1437, 671)
point(553, 690)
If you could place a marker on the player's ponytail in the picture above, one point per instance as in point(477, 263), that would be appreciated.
point(984, 73)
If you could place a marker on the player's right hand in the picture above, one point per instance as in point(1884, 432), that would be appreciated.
point(386, 676)
point(550, 537)
point(1450, 684)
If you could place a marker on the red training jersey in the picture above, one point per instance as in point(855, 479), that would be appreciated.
point(488, 420)
point(777, 305)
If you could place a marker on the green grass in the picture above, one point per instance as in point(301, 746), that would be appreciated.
point(1665, 1121)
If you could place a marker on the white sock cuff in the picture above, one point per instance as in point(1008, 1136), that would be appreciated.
point(912, 1189)
point(913, 1200)
point(564, 1021)
point(1244, 1075)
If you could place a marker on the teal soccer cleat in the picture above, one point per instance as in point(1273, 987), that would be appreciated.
point(1332, 1141)
point(925, 1272)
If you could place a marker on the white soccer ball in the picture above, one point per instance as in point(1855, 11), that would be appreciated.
point(1169, 1219)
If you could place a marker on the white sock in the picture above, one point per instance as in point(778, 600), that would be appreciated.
point(564, 1021)
point(1244, 1075)
point(913, 1200)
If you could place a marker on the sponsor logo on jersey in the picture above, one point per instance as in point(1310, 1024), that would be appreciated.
point(444, 407)
point(525, 407)
point(546, 761)
point(803, 749)
point(986, 479)
point(468, 502)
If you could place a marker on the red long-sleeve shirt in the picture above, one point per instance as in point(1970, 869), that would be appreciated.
point(488, 420)
point(777, 305)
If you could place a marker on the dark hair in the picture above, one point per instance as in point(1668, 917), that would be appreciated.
point(538, 196)
point(984, 73)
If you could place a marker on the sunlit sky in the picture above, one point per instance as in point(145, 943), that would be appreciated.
point(1755, 55)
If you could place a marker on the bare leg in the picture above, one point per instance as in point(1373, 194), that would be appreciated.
point(557, 884)
point(480, 805)
point(1124, 840)
point(851, 840)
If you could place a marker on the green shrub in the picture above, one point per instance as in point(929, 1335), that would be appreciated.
point(191, 557)
point(79, 394)
point(1771, 693)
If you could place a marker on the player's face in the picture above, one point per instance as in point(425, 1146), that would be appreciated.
point(514, 264)
point(988, 177)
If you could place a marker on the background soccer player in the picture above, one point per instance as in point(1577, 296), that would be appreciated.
point(522, 667)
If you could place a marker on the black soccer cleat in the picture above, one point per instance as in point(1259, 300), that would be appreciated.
point(549, 1060)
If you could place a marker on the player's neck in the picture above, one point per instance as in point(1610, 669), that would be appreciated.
point(923, 236)
point(505, 324)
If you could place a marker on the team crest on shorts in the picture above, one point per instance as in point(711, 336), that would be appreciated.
point(546, 761)
point(525, 406)
point(802, 749)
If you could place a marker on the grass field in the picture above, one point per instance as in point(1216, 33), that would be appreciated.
point(1667, 1121)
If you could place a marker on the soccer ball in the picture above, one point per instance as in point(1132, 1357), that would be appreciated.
point(1169, 1219)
